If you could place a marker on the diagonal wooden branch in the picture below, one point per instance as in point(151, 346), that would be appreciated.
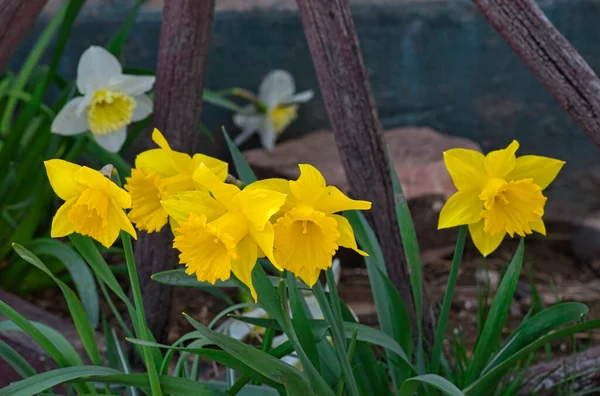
point(182, 55)
point(344, 83)
point(16, 19)
point(551, 58)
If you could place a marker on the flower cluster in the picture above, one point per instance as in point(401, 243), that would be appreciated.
point(218, 227)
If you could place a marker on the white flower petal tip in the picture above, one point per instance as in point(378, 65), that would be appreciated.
point(301, 97)
point(143, 108)
point(69, 120)
point(112, 142)
point(95, 69)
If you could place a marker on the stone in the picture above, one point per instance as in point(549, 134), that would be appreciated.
point(417, 153)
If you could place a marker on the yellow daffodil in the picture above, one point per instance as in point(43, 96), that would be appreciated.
point(93, 203)
point(498, 194)
point(111, 100)
point(224, 231)
point(277, 93)
point(307, 232)
point(159, 173)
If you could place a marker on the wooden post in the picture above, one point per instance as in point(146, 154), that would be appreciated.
point(551, 58)
point(182, 55)
point(344, 83)
point(16, 19)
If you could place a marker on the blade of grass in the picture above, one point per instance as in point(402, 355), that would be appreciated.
point(16, 361)
point(443, 318)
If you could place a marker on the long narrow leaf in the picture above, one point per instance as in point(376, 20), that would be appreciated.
point(15, 360)
point(410, 386)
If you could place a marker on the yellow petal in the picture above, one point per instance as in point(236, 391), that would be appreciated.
point(61, 224)
point(157, 160)
point(118, 216)
point(146, 188)
point(113, 229)
point(243, 266)
point(279, 185)
point(179, 206)
point(95, 180)
point(465, 168)
point(347, 235)
point(542, 170)
point(539, 227)
point(264, 239)
point(216, 166)
point(259, 205)
point(464, 207)
point(500, 163)
point(61, 176)
point(310, 186)
point(160, 140)
point(223, 192)
point(484, 242)
point(335, 201)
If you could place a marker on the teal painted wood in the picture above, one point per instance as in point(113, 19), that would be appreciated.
point(434, 63)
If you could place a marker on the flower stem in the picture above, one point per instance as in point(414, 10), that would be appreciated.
point(443, 319)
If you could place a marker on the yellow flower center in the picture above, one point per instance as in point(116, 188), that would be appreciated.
point(89, 215)
point(305, 241)
point(283, 116)
point(207, 249)
point(147, 189)
point(110, 111)
point(511, 206)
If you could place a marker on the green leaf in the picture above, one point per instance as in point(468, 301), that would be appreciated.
point(78, 314)
point(221, 101)
point(391, 312)
point(539, 325)
point(440, 332)
point(80, 273)
point(244, 171)
point(39, 382)
point(115, 45)
point(294, 381)
point(488, 379)
point(215, 355)
point(15, 360)
point(411, 385)
point(490, 335)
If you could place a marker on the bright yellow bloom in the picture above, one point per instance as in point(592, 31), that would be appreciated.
point(93, 203)
point(224, 231)
point(497, 194)
point(307, 233)
point(159, 173)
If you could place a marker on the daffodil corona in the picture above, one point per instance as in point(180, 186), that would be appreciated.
point(160, 173)
point(307, 232)
point(111, 100)
point(93, 203)
point(498, 194)
point(225, 230)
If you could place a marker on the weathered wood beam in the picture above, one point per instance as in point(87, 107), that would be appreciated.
point(16, 19)
point(344, 83)
point(551, 58)
point(182, 55)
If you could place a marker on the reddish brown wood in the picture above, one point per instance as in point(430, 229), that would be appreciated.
point(16, 19)
point(182, 54)
point(551, 58)
point(344, 83)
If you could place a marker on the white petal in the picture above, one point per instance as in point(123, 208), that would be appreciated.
point(276, 86)
point(249, 125)
point(143, 108)
point(96, 67)
point(69, 120)
point(132, 85)
point(113, 141)
point(267, 135)
point(301, 97)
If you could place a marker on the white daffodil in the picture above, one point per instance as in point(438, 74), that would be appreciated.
point(111, 100)
point(279, 109)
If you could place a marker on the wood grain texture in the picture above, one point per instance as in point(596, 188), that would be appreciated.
point(16, 19)
point(344, 83)
point(182, 55)
point(551, 58)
